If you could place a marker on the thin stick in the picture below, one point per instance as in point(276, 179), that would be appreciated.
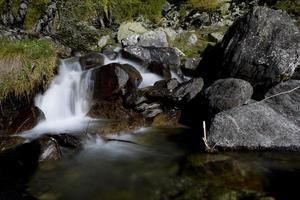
point(205, 137)
point(275, 95)
point(21, 125)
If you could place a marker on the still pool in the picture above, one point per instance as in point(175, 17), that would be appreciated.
point(163, 164)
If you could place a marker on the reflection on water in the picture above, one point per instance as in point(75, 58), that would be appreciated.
point(155, 165)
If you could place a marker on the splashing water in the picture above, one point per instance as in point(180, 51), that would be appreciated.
point(67, 101)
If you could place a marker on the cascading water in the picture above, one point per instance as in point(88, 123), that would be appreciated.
point(148, 77)
point(66, 102)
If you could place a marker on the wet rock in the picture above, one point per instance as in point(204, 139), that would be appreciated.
point(169, 119)
point(113, 79)
point(162, 89)
point(110, 109)
point(150, 113)
point(269, 124)
point(49, 149)
point(187, 90)
point(149, 110)
point(136, 97)
point(160, 69)
point(110, 53)
point(91, 60)
point(10, 142)
point(189, 66)
point(26, 119)
point(68, 141)
point(227, 93)
point(262, 47)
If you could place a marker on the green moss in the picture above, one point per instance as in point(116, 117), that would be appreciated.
point(204, 5)
point(203, 42)
point(291, 6)
point(24, 65)
point(35, 10)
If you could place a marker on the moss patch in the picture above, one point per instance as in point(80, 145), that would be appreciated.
point(203, 42)
point(24, 65)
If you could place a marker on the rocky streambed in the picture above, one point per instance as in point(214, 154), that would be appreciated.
point(90, 123)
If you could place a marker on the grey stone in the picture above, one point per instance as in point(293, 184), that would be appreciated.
point(262, 47)
point(164, 55)
point(227, 93)
point(216, 37)
point(187, 90)
point(103, 41)
point(153, 38)
point(192, 40)
point(270, 124)
point(130, 28)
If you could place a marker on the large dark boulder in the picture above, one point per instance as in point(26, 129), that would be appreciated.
point(227, 93)
point(114, 78)
point(91, 60)
point(270, 124)
point(262, 47)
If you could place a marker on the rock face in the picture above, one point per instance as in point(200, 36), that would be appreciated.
point(189, 66)
point(187, 90)
point(227, 93)
point(128, 29)
point(164, 55)
point(91, 60)
point(156, 38)
point(113, 78)
point(262, 47)
point(270, 124)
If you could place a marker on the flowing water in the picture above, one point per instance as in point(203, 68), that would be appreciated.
point(149, 164)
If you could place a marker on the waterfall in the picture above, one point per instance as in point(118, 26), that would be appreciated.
point(66, 102)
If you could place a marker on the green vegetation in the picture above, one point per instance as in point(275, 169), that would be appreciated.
point(25, 65)
point(119, 10)
point(291, 6)
point(204, 5)
point(203, 42)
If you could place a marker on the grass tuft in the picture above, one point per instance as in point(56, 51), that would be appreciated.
point(25, 65)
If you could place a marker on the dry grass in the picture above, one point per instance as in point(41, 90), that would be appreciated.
point(25, 65)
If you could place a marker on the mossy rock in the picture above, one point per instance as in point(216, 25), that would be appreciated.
point(128, 29)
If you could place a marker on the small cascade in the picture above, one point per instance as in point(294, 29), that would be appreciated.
point(148, 77)
point(66, 102)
